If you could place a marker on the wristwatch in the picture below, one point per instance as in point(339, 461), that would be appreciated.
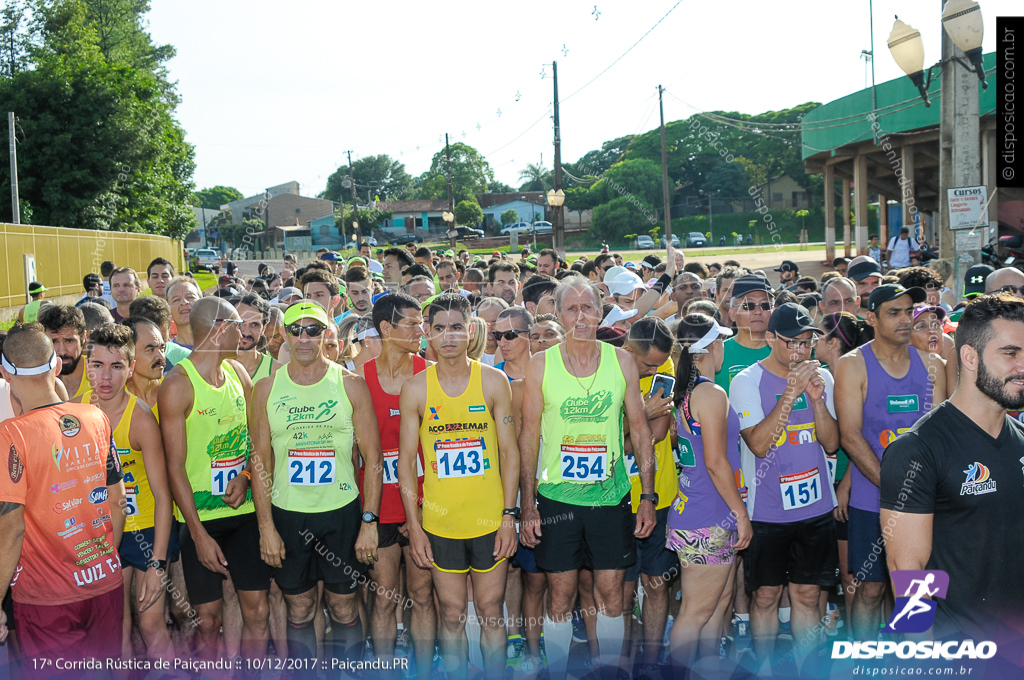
point(370, 518)
point(160, 565)
point(510, 511)
point(652, 497)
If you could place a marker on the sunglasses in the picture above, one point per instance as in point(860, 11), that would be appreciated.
point(508, 335)
point(312, 331)
point(237, 322)
point(751, 306)
point(1013, 290)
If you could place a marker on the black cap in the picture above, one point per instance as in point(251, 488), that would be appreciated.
point(749, 283)
point(790, 320)
point(840, 260)
point(788, 266)
point(891, 291)
point(974, 279)
point(862, 270)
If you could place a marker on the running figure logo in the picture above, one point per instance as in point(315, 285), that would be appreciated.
point(913, 613)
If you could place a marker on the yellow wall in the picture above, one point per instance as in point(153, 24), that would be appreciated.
point(64, 256)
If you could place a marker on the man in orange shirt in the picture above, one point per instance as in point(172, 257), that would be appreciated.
point(58, 536)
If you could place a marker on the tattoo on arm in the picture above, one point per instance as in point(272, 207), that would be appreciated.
point(507, 420)
point(7, 508)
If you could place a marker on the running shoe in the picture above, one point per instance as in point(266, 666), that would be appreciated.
point(579, 631)
point(514, 651)
point(785, 630)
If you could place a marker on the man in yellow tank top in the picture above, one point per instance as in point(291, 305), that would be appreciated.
point(460, 412)
point(578, 512)
point(304, 422)
point(146, 542)
point(66, 328)
point(206, 439)
point(148, 373)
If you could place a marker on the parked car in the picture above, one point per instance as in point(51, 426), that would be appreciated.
point(469, 232)
point(695, 239)
point(675, 241)
point(542, 228)
point(643, 242)
point(369, 239)
point(209, 259)
point(518, 228)
point(402, 239)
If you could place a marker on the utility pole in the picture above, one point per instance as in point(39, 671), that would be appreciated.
point(451, 196)
point(355, 206)
point(15, 206)
point(559, 226)
point(667, 197)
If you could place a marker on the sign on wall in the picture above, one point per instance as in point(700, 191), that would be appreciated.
point(968, 207)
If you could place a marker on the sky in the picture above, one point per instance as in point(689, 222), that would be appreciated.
point(273, 92)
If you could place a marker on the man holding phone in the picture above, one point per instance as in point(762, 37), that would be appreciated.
point(650, 344)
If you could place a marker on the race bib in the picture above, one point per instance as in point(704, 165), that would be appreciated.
point(391, 467)
point(801, 489)
point(832, 460)
point(462, 458)
point(311, 467)
point(584, 463)
point(632, 469)
point(223, 471)
point(131, 501)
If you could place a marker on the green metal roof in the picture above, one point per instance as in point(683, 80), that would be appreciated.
point(900, 108)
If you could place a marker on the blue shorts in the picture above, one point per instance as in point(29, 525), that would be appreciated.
point(652, 557)
point(525, 560)
point(866, 556)
point(137, 547)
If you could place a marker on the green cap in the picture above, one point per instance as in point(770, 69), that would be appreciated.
point(305, 310)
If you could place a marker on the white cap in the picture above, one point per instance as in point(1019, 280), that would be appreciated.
point(625, 283)
point(376, 267)
point(617, 314)
point(612, 273)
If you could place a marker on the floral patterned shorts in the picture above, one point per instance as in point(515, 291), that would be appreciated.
point(708, 545)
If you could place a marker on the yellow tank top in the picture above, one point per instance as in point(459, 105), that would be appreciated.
point(217, 440)
point(462, 494)
point(139, 505)
point(84, 386)
point(263, 370)
point(311, 436)
point(666, 478)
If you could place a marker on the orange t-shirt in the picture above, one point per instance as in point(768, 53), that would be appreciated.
point(60, 460)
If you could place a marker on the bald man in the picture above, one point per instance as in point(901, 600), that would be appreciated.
point(203, 419)
point(1008, 279)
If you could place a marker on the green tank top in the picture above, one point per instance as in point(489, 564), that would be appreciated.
point(581, 454)
point(217, 438)
point(32, 311)
point(311, 435)
point(263, 370)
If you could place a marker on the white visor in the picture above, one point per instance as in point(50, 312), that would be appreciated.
point(36, 370)
point(368, 333)
point(715, 332)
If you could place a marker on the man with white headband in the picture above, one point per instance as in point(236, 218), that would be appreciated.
point(305, 420)
point(58, 536)
point(398, 320)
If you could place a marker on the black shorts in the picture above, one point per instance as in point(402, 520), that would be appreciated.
point(239, 540)
point(319, 546)
point(866, 557)
point(459, 555)
point(578, 536)
point(389, 535)
point(137, 549)
point(652, 557)
point(803, 552)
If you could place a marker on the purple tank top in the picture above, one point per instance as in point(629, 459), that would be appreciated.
point(891, 407)
point(697, 503)
point(793, 481)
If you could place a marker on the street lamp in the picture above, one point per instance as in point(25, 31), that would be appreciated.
point(555, 199)
point(449, 220)
point(962, 21)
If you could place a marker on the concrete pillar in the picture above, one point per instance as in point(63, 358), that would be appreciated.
point(830, 214)
point(907, 185)
point(846, 217)
point(860, 202)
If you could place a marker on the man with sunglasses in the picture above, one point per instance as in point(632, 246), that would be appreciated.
point(787, 421)
point(1006, 280)
point(884, 387)
point(512, 334)
point(305, 421)
point(206, 443)
point(749, 308)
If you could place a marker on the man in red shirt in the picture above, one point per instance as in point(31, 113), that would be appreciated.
point(58, 536)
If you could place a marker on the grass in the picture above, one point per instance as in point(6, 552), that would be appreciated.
point(637, 255)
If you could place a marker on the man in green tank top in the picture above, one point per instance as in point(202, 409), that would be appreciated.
point(304, 422)
point(30, 312)
point(255, 313)
point(577, 511)
point(202, 405)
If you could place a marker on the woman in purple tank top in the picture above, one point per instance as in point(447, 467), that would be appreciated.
point(708, 521)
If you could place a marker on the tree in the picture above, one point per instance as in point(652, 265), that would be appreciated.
point(639, 177)
point(537, 177)
point(369, 220)
point(510, 216)
point(101, 147)
point(14, 38)
point(497, 187)
point(213, 198)
point(728, 179)
point(468, 213)
point(620, 216)
point(376, 176)
point(579, 200)
point(471, 174)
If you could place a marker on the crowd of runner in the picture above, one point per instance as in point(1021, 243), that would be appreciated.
point(460, 465)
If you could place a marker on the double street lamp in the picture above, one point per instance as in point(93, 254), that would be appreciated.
point(556, 199)
point(449, 221)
